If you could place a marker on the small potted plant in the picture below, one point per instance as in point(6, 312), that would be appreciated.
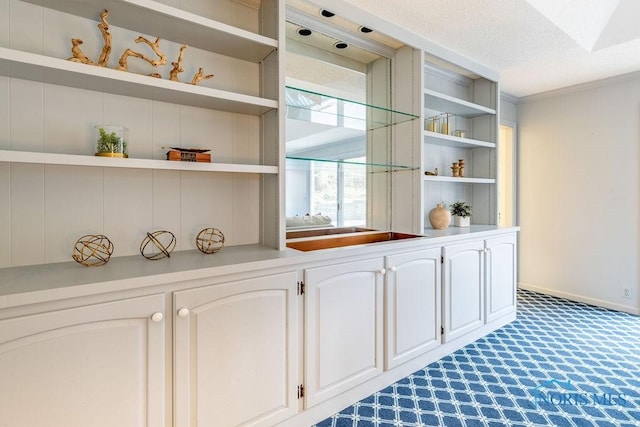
point(112, 141)
point(461, 214)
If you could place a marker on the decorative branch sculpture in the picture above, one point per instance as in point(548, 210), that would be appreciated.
point(123, 59)
point(106, 48)
point(103, 26)
point(200, 76)
point(78, 55)
point(154, 45)
point(177, 66)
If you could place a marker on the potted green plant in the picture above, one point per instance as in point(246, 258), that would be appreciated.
point(461, 213)
point(112, 141)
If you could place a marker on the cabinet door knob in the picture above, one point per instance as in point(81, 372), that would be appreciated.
point(382, 271)
point(157, 317)
point(392, 268)
point(183, 312)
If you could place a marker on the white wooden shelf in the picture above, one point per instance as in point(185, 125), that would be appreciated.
point(97, 161)
point(455, 141)
point(434, 100)
point(465, 180)
point(30, 66)
point(169, 23)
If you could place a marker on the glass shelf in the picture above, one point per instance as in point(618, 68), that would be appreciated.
point(377, 167)
point(319, 108)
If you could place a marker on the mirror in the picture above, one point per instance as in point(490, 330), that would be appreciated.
point(326, 148)
point(334, 143)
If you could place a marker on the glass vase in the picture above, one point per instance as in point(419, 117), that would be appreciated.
point(112, 141)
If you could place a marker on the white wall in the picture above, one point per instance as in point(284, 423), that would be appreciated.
point(579, 192)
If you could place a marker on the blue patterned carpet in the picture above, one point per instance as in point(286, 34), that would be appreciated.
point(561, 363)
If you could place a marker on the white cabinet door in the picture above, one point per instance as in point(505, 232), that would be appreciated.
point(501, 258)
point(96, 365)
point(463, 302)
point(413, 284)
point(343, 327)
point(236, 353)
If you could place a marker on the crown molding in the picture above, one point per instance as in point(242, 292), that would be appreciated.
point(509, 98)
point(580, 87)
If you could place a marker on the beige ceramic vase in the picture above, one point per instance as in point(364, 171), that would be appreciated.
point(439, 217)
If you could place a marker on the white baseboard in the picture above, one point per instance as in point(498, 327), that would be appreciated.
point(580, 298)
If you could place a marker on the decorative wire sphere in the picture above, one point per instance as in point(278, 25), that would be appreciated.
point(92, 250)
point(210, 240)
point(158, 245)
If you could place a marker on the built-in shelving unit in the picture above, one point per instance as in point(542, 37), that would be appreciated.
point(470, 101)
point(55, 194)
point(237, 118)
point(352, 143)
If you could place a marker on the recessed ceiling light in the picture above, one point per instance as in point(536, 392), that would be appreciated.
point(304, 32)
point(366, 30)
point(327, 14)
point(341, 45)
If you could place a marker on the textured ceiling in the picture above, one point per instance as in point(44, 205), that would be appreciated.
point(536, 45)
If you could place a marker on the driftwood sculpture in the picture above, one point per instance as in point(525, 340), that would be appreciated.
point(125, 56)
point(155, 46)
point(177, 66)
point(78, 55)
point(200, 76)
point(103, 26)
point(106, 48)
